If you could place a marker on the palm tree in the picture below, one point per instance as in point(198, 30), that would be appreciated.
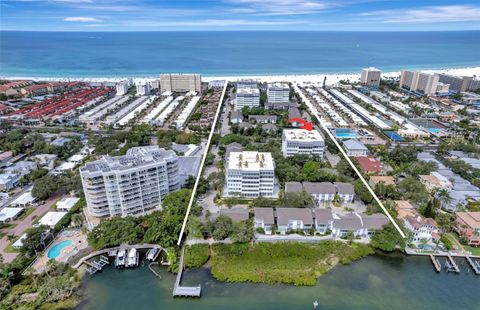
point(443, 195)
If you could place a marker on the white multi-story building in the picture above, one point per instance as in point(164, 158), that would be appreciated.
point(247, 97)
point(301, 141)
point(180, 83)
point(425, 83)
point(370, 77)
point(278, 92)
point(122, 88)
point(143, 89)
point(133, 184)
point(250, 174)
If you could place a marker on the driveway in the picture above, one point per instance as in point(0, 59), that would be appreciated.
point(22, 225)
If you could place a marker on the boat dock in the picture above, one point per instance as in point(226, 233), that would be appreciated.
point(474, 264)
point(436, 263)
point(95, 266)
point(184, 291)
point(451, 265)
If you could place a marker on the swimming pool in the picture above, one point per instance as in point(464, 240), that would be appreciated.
point(57, 248)
point(345, 133)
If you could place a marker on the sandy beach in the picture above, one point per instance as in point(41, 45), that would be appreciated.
point(332, 78)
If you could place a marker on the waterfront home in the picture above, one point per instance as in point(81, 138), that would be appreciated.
point(373, 222)
point(385, 179)
point(424, 230)
point(345, 224)
point(264, 218)
point(323, 220)
point(345, 191)
point(289, 219)
point(435, 181)
point(404, 208)
point(355, 148)
point(322, 192)
point(467, 224)
point(368, 165)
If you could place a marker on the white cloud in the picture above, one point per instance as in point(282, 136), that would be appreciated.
point(83, 19)
point(279, 7)
point(433, 14)
point(210, 23)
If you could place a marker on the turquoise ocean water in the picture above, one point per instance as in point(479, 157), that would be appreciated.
point(118, 54)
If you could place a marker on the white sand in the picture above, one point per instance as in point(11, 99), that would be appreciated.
point(332, 78)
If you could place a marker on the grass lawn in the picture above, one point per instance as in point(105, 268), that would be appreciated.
point(196, 255)
point(10, 249)
point(283, 262)
point(455, 243)
point(474, 250)
point(26, 213)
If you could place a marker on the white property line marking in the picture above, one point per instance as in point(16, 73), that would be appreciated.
point(204, 157)
point(315, 113)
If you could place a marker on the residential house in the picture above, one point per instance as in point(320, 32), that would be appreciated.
point(293, 187)
point(289, 219)
point(282, 106)
point(8, 181)
point(467, 224)
point(264, 218)
point(9, 214)
point(323, 220)
point(345, 224)
point(345, 191)
point(236, 117)
point(355, 148)
point(236, 214)
point(385, 179)
point(424, 230)
point(22, 168)
point(373, 222)
point(5, 157)
point(404, 208)
point(369, 164)
point(322, 192)
point(294, 112)
point(434, 181)
point(262, 119)
point(270, 128)
point(66, 203)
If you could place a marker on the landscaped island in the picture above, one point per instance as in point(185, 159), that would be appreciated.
point(270, 263)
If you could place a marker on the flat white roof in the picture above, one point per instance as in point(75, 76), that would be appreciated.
point(250, 160)
point(302, 135)
point(242, 91)
point(19, 243)
point(23, 199)
point(66, 166)
point(9, 213)
point(67, 203)
point(51, 218)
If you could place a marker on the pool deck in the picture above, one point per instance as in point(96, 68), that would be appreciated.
point(79, 242)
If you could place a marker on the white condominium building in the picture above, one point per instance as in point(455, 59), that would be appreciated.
point(247, 97)
point(301, 141)
point(425, 83)
point(132, 184)
point(250, 175)
point(278, 92)
point(180, 83)
point(143, 89)
point(122, 88)
point(370, 77)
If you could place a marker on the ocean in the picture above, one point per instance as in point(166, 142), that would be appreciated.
point(146, 54)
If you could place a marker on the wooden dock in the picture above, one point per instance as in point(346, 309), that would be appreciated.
point(436, 263)
point(451, 265)
point(97, 265)
point(184, 291)
point(474, 264)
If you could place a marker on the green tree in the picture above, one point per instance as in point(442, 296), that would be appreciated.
point(242, 231)
point(298, 200)
point(222, 227)
point(387, 239)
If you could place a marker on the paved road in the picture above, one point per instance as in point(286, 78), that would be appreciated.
point(22, 225)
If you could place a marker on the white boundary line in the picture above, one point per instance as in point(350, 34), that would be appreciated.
point(315, 113)
point(204, 157)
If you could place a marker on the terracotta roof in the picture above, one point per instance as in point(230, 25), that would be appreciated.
point(472, 219)
point(369, 164)
point(387, 180)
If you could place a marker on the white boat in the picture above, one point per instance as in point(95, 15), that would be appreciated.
point(151, 254)
point(120, 259)
point(132, 259)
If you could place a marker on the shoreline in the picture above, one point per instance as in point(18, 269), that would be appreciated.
point(332, 78)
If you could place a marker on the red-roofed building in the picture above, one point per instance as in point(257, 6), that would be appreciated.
point(369, 164)
point(37, 90)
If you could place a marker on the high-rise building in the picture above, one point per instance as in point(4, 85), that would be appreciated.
point(180, 83)
point(278, 93)
point(424, 83)
point(247, 97)
point(122, 88)
point(460, 83)
point(143, 89)
point(247, 84)
point(250, 174)
point(371, 77)
point(301, 141)
point(132, 184)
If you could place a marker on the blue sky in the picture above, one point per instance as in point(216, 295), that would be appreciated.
point(163, 15)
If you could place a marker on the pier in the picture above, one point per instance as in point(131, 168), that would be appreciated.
point(451, 265)
point(97, 265)
point(435, 263)
point(474, 264)
point(184, 291)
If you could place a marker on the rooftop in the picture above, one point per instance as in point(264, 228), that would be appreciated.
point(236, 214)
point(302, 135)
point(265, 214)
point(369, 164)
point(386, 179)
point(472, 219)
point(323, 215)
point(250, 160)
point(293, 187)
point(354, 144)
point(319, 187)
point(284, 215)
